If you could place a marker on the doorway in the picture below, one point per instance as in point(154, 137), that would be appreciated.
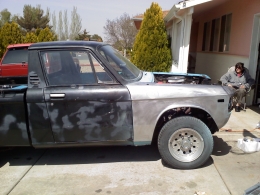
point(257, 88)
point(254, 62)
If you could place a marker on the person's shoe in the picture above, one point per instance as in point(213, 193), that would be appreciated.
point(237, 109)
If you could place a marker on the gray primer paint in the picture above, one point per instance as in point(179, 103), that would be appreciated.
point(151, 100)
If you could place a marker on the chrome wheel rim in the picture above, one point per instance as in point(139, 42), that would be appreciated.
point(186, 145)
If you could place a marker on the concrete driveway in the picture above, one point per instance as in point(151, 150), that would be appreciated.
point(126, 170)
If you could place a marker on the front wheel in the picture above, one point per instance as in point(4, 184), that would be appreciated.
point(185, 143)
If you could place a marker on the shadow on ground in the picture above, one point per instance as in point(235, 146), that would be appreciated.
point(255, 109)
point(83, 155)
point(247, 133)
point(21, 156)
point(220, 148)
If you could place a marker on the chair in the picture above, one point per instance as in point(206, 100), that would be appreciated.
point(252, 87)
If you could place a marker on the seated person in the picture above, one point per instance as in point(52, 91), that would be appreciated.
point(240, 80)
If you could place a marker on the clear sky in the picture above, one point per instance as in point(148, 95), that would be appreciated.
point(94, 13)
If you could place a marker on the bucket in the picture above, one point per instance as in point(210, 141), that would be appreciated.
point(249, 145)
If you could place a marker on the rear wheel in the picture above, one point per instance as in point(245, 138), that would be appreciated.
point(185, 143)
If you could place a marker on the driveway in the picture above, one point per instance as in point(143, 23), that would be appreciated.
point(133, 170)
point(125, 170)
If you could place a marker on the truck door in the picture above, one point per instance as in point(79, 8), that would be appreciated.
point(84, 101)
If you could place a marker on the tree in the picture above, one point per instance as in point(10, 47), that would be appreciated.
point(120, 32)
point(33, 17)
point(66, 27)
point(75, 25)
point(151, 50)
point(60, 27)
point(96, 37)
point(46, 35)
point(54, 22)
point(14, 18)
point(30, 37)
point(5, 16)
point(84, 36)
point(10, 34)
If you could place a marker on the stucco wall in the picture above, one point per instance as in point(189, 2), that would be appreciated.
point(243, 12)
point(215, 65)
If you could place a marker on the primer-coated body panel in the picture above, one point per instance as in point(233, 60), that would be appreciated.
point(150, 100)
point(38, 118)
point(90, 113)
point(13, 128)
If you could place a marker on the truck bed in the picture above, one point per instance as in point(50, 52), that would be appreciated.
point(13, 125)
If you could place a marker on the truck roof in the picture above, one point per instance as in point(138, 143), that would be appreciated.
point(59, 44)
point(19, 45)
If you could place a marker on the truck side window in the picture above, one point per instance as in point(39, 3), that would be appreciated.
point(83, 65)
point(53, 62)
point(100, 71)
point(60, 68)
point(68, 67)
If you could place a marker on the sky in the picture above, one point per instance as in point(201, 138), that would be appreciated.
point(94, 13)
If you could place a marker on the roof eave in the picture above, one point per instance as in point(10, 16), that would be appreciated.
point(181, 6)
point(170, 14)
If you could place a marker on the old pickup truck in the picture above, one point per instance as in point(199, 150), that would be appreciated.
point(83, 93)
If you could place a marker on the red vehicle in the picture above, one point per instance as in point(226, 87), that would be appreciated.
point(15, 61)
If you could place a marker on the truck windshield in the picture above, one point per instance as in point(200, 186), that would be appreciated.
point(17, 55)
point(122, 65)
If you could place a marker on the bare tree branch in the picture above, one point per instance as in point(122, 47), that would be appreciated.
point(60, 27)
point(66, 27)
point(75, 26)
point(120, 32)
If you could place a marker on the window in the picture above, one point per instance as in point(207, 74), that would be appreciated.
point(225, 32)
point(73, 67)
point(16, 56)
point(52, 62)
point(206, 36)
point(100, 71)
point(214, 38)
point(120, 64)
point(216, 34)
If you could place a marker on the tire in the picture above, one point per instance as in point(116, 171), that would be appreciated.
point(185, 143)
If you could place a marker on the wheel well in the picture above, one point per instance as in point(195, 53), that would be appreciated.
point(184, 111)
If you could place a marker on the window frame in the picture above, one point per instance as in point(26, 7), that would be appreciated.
point(217, 34)
point(90, 55)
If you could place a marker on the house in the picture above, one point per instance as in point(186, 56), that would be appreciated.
point(209, 36)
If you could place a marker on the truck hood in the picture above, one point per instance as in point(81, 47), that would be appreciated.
point(148, 90)
point(172, 77)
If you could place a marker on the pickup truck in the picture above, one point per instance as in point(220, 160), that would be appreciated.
point(102, 99)
point(14, 64)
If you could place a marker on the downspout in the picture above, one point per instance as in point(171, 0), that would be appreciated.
point(182, 38)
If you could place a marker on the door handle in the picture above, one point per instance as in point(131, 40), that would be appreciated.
point(57, 95)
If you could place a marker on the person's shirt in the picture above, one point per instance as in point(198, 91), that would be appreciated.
point(236, 80)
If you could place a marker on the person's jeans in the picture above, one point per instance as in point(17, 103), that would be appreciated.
point(239, 94)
